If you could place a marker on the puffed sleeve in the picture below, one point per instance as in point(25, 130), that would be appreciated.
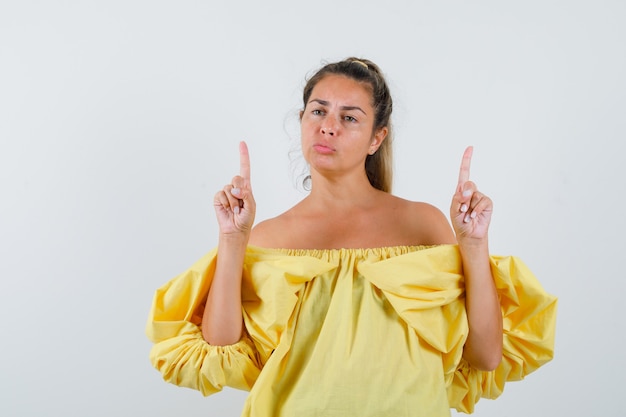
point(180, 352)
point(529, 322)
point(426, 289)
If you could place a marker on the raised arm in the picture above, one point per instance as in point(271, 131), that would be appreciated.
point(470, 213)
point(222, 322)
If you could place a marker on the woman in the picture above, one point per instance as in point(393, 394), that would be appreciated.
point(354, 301)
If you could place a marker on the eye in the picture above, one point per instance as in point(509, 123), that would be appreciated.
point(317, 112)
point(350, 119)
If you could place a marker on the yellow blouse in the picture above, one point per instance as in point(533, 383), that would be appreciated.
point(350, 332)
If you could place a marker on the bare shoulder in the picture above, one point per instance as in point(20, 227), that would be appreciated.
point(263, 232)
point(426, 223)
point(386, 221)
point(271, 233)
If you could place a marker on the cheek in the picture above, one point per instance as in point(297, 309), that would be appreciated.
point(307, 128)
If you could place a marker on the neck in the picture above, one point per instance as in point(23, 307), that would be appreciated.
point(343, 192)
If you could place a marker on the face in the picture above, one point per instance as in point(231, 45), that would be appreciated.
point(337, 125)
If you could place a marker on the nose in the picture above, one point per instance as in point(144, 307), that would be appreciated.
point(328, 127)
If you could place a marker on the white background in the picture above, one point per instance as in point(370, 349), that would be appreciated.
point(120, 119)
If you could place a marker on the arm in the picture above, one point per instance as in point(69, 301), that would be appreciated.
point(470, 213)
point(483, 348)
point(222, 321)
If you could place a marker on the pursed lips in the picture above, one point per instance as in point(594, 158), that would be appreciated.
point(323, 148)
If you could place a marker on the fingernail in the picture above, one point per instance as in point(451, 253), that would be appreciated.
point(236, 210)
point(466, 219)
point(473, 215)
point(463, 208)
point(235, 191)
point(467, 193)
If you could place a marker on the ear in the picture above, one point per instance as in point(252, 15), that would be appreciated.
point(377, 140)
point(301, 114)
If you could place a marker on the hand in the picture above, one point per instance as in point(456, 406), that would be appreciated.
point(234, 204)
point(470, 210)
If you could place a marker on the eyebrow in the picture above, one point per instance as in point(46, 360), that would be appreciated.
point(325, 103)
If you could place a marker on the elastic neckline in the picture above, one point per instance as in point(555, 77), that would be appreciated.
point(359, 252)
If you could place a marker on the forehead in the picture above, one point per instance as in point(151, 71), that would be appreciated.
point(342, 89)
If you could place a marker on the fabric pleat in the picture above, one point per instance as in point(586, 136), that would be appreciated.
point(351, 332)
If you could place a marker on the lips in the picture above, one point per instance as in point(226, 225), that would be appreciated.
point(323, 149)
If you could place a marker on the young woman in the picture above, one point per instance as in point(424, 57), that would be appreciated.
point(354, 302)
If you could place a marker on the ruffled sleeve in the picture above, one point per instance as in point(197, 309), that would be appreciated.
point(271, 285)
point(180, 352)
point(529, 324)
point(426, 289)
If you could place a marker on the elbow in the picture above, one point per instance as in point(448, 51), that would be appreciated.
point(221, 336)
point(486, 359)
point(205, 332)
point(489, 364)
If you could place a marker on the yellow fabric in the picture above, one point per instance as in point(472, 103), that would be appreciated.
point(351, 332)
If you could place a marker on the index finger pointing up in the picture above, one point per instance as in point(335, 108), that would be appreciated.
point(244, 161)
point(464, 172)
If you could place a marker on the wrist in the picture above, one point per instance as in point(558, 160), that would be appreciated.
point(234, 239)
point(473, 244)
